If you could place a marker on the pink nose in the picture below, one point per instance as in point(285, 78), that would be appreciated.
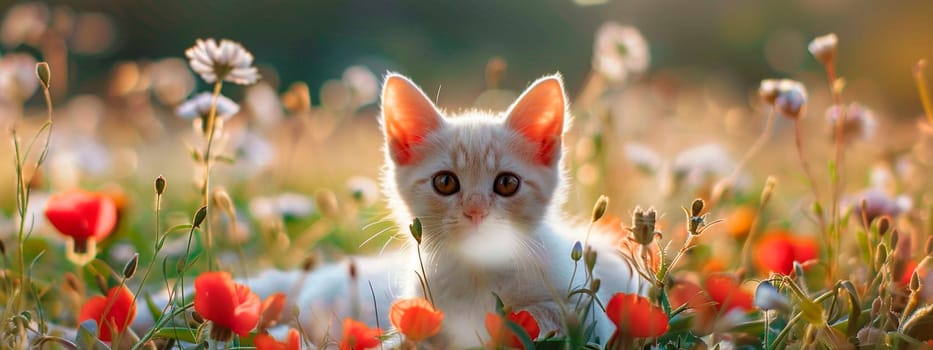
point(476, 214)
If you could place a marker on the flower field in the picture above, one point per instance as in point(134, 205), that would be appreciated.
point(788, 214)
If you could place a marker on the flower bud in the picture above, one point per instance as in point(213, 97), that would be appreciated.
point(160, 185)
point(44, 74)
point(589, 258)
point(600, 208)
point(416, 230)
point(130, 268)
point(697, 207)
point(577, 252)
point(823, 48)
point(199, 217)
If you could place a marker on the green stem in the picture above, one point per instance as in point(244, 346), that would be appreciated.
point(205, 187)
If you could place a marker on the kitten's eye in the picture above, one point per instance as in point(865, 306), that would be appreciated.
point(446, 183)
point(506, 184)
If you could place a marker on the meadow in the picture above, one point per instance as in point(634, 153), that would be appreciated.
point(789, 215)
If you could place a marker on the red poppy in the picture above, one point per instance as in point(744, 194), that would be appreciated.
point(726, 292)
point(119, 308)
point(358, 336)
point(271, 311)
point(691, 294)
point(415, 318)
point(502, 335)
point(907, 271)
point(635, 316)
point(228, 305)
point(85, 217)
point(778, 250)
point(267, 342)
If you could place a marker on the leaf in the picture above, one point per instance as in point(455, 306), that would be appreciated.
point(153, 308)
point(920, 324)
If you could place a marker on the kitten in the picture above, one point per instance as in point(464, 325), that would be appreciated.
point(488, 190)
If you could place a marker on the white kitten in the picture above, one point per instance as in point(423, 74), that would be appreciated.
point(488, 190)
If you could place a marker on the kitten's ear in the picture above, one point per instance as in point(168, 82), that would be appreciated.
point(538, 115)
point(408, 117)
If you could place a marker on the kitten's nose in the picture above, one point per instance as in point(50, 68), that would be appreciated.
point(476, 214)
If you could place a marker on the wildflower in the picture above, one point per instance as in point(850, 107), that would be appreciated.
point(264, 104)
point(24, 23)
point(415, 318)
point(823, 48)
point(859, 122)
point(362, 83)
point(788, 97)
point(907, 271)
point(502, 335)
point(791, 100)
point(635, 316)
point(117, 308)
point(696, 165)
point(643, 157)
point(200, 106)
point(878, 203)
point(267, 342)
point(698, 301)
point(778, 250)
point(171, 81)
point(358, 336)
point(227, 61)
point(17, 76)
point(85, 218)
point(271, 311)
point(740, 221)
point(727, 294)
point(363, 189)
point(230, 306)
point(768, 298)
point(297, 98)
point(619, 50)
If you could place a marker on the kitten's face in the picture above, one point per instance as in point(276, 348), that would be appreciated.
point(476, 181)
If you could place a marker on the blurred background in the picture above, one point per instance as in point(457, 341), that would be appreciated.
point(664, 95)
point(447, 43)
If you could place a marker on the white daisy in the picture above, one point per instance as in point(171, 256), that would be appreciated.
point(619, 50)
point(227, 61)
point(200, 106)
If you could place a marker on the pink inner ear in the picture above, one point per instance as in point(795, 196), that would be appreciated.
point(538, 115)
point(409, 117)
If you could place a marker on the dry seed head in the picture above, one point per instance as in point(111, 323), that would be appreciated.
point(823, 48)
point(643, 225)
point(594, 286)
point(884, 224)
point(600, 208)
